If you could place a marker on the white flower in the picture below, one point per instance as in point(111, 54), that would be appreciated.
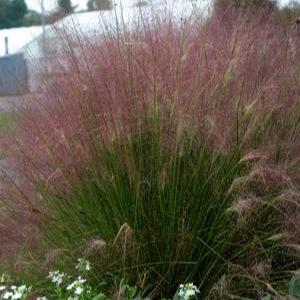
point(56, 277)
point(22, 288)
point(81, 280)
point(70, 287)
point(17, 295)
point(181, 293)
point(41, 298)
point(15, 292)
point(186, 291)
point(190, 293)
point(2, 287)
point(83, 265)
point(78, 290)
point(78, 287)
point(7, 295)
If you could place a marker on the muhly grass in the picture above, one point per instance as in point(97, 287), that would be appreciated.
point(168, 154)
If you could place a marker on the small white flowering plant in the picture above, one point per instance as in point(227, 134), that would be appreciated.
point(4, 280)
point(187, 291)
point(14, 292)
point(83, 265)
point(57, 277)
point(79, 289)
point(10, 291)
point(76, 289)
point(63, 287)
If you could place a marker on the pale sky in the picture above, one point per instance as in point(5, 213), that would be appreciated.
point(49, 4)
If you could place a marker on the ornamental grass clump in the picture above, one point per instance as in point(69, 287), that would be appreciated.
point(168, 154)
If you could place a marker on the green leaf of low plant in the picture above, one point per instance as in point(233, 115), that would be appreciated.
point(100, 296)
point(294, 286)
point(131, 292)
point(267, 297)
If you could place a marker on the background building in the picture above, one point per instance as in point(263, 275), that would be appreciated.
point(42, 55)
